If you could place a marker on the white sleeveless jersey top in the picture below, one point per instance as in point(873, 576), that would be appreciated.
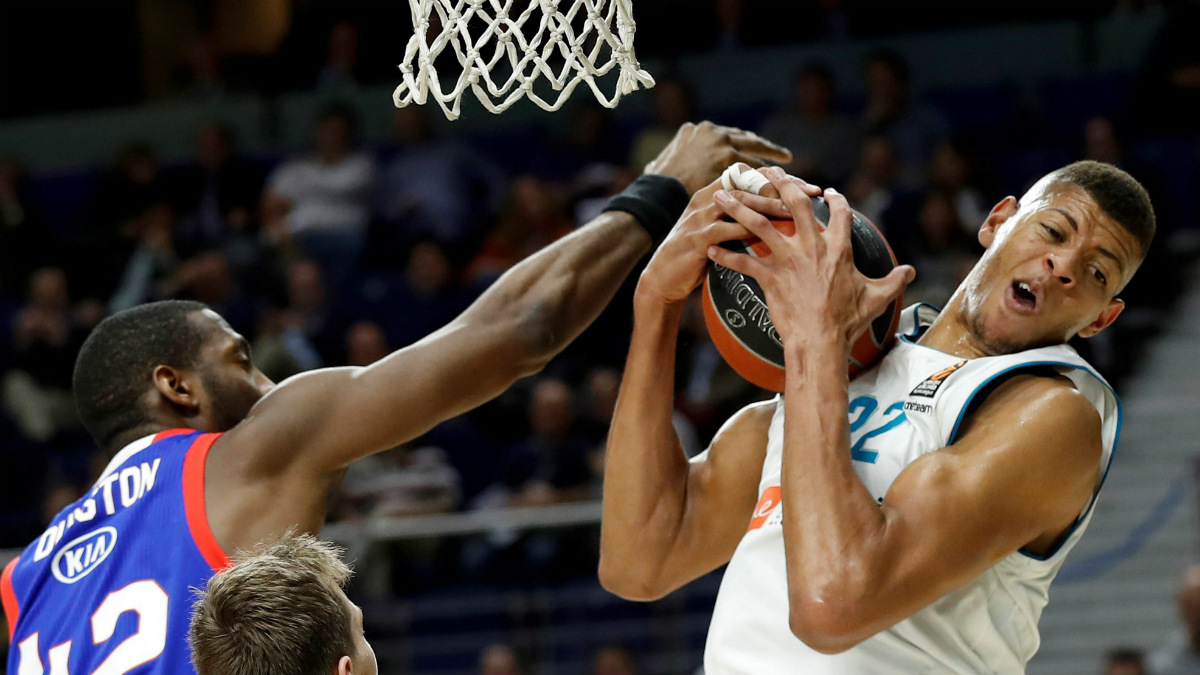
point(910, 404)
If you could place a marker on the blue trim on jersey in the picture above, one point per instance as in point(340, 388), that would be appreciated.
point(917, 328)
point(1111, 455)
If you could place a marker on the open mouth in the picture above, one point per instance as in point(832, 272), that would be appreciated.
point(1024, 296)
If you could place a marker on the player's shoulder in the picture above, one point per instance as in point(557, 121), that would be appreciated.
point(1046, 395)
point(1044, 414)
point(756, 415)
point(748, 426)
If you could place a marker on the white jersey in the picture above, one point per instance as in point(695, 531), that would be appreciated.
point(911, 404)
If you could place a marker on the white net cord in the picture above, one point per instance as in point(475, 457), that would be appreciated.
point(584, 47)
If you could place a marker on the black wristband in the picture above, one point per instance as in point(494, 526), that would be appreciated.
point(655, 201)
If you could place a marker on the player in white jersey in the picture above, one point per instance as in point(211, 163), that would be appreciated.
point(909, 521)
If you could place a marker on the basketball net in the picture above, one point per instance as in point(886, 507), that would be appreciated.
point(505, 51)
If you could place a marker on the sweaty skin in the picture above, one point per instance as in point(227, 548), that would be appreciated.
point(1022, 470)
point(287, 446)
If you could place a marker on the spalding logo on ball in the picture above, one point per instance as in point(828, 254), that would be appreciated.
point(735, 308)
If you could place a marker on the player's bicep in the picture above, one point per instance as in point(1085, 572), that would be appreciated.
point(722, 490)
point(1022, 472)
point(323, 420)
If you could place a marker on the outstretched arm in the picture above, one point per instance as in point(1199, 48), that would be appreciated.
point(1022, 472)
point(275, 468)
point(667, 521)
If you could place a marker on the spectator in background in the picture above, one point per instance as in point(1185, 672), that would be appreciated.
point(426, 297)
point(942, 253)
point(823, 141)
point(1181, 654)
point(305, 332)
point(500, 659)
point(437, 188)
point(594, 157)
point(730, 16)
point(401, 482)
point(550, 466)
point(1166, 94)
point(614, 659)
point(157, 271)
point(311, 314)
point(1154, 288)
point(534, 216)
point(1103, 141)
point(340, 72)
point(200, 78)
point(674, 101)
point(46, 335)
point(600, 400)
point(322, 202)
point(125, 192)
point(912, 128)
point(955, 171)
point(589, 142)
point(149, 271)
point(1124, 661)
point(217, 195)
point(112, 228)
point(25, 239)
point(875, 184)
point(365, 344)
point(405, 481)
point(207, 278)
point(600, 388)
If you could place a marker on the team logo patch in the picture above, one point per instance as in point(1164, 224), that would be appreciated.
point(929, 387)
point(80, 556)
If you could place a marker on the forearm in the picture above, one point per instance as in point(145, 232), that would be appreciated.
point(646, 470)
point(526, 318)
point(829, 516)
point(556, 293)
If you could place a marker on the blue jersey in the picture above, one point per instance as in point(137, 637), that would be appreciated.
point(107, 589)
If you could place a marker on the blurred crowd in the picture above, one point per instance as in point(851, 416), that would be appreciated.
point(610, 659)
point(344, 252)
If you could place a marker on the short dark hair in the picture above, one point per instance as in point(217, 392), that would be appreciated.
point(116, 363)
point(1118, 194)
point(276, 611)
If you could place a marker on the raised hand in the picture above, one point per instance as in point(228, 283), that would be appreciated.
point(812, 288)
point(700, 152)
point(678, 265)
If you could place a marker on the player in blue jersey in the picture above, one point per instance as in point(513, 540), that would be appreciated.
point(210, 457)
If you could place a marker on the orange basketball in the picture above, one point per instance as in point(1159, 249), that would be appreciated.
point(735, 309)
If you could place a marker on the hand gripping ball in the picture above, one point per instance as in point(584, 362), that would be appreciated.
point(735, 309)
